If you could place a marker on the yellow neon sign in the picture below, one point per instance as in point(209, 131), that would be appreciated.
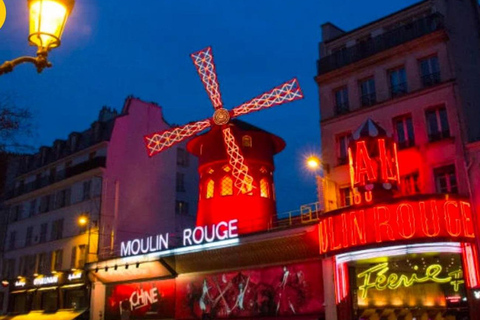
point(395, 280)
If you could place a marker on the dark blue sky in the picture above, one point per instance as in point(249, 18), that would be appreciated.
point(115, 48)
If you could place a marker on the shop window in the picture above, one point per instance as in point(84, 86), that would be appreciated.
point(341, 101)
point(226, 186)
point(210, 189)
point(181, 207)
point(437, 123)
point(398, 82)
point(404, 134)
point(180, 182)
point(50, 300)
point(20, 305)
point(409, 184)
point(430, 71)
point(346, 197)
point(264, 190)
point(247, 141)
point(43, 266)
point(367, 89)
point(75, 299)
point(446, 179)
point(343, 141)
point(182, 157)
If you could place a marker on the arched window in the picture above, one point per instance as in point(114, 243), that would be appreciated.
point(227, 186)
point(264, 192)
point(247, 141)
point(210, 189)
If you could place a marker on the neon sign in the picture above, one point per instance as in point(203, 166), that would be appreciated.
point(20, 283)
point(75, 275)
point(201, 234)
point(394, 280)
point(402, 221)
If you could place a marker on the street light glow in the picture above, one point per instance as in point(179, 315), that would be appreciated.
point(83, 220)
point(313, 162)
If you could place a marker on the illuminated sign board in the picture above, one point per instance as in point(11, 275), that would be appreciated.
point(198, 235)
point(77, 275)
point(20, 283)
point(377, 277)
point(404, 220)
point(43, 280)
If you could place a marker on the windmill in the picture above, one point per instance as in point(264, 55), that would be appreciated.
point(203, 60)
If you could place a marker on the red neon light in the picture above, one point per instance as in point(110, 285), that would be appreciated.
point(470, 265)
point(401, 221)
point(386, 161)
point(363, 164)
point(341, 282)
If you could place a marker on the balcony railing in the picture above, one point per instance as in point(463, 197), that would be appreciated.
point(59, 176)
point(368, 99)
point(431, 79)
point(342, 108)
point(380, 43)
point(398, 90)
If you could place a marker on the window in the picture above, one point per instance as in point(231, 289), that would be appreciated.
point(28, 237)
point(342, 147)
point(86, 190)
point(38, 180)
point(182, 157)
point(82, 254)
point(57, 230)
point(409, 184)
point(52, 175)
point(21, 265)
point(404, 131)
point(43, 266)
point(10, 268)
point(11, 240)
point(437, 124)
point(33, 208)
point(264, 190)
point(445, 179)
point(15, 213)
point(61, 199)
point(31, 261)
point(180, 186)
point(92, 155)
point(209, 189)
point(341, 101)
point(430, 71)
point(247, 141)
point(346, 197)
point(398, 82)
point(367, 89)
point(181, 207)
point(57, 259)
point(43, 232)
point(73, 258)
point(226, 186)
point(46, 203)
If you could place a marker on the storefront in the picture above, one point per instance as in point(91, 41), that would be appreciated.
point(62, 295)
point(269, 275)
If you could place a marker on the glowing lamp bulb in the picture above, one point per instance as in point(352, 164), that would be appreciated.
point(47, 21)
point(82, 220)
point(313, 162)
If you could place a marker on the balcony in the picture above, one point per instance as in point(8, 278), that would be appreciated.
point(97, 162)
point(380, 43)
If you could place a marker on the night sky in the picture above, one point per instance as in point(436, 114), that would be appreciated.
point(115, 48)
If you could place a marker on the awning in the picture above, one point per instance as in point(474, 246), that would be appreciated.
point(59, 315)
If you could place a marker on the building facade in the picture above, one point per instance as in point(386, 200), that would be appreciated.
point(68, 206)
point(413, 73)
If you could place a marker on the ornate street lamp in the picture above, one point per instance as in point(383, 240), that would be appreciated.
point(47, 21)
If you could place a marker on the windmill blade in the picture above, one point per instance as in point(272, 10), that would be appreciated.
point(243, 181)
point(159, 141)
point(203, 61)
point(287, 92)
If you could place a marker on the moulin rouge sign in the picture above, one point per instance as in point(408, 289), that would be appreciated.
point(199, 235)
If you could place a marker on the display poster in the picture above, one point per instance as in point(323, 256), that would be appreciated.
point(294, 289)
point(141, 300)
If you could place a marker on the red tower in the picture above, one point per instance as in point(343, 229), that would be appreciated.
point(218, 199)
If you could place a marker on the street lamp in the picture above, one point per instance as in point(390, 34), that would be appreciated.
point(84, 221)
point(313, 163)
point(47, 22)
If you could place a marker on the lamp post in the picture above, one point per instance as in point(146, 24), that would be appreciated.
point(84, 221)
point(47, 22)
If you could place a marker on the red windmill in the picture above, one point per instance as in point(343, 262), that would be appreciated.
point(203, 60)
